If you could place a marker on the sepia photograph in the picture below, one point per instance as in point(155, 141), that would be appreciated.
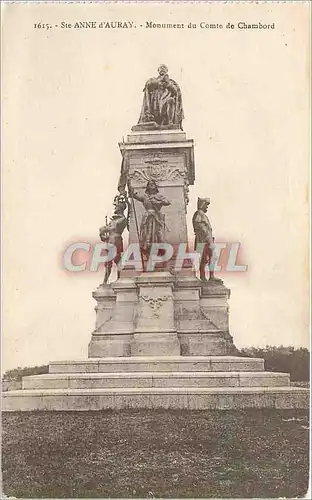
point(155, 249)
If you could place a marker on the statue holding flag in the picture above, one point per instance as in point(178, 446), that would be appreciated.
point(152, 229)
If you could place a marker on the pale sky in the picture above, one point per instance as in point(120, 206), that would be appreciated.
point(70, 95)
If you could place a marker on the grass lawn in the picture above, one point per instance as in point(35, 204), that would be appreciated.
point(161, 453)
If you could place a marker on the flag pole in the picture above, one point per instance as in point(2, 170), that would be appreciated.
point(134, 210)
point(136, 221)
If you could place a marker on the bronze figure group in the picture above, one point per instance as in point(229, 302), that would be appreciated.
point(162, 108)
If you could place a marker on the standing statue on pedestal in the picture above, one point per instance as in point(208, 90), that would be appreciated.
point(152, 228)
point(204, 238)
point(162, 103)
point(112, 232)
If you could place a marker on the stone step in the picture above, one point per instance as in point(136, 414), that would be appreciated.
point(159, 364)
point(196, 398)
point(155, 379)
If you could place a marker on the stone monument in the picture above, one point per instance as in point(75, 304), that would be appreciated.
point(162, 336)
point(161, 312)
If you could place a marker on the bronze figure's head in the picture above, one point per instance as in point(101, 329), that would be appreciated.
point(203, 204)
point(120, 204)
point(162, 70)
point(151, 188)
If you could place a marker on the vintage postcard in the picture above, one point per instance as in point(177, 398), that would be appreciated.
point(155, 223)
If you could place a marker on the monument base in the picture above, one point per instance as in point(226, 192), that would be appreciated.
point(161, 341)
point(159, 313)
point(170, 382)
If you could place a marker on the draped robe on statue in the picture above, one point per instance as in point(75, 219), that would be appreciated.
point(152, 228)
point(162, 103)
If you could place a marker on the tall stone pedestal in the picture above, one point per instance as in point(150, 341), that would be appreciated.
point(167, 157)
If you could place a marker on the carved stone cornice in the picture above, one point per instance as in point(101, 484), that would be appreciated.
point(156, 172)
